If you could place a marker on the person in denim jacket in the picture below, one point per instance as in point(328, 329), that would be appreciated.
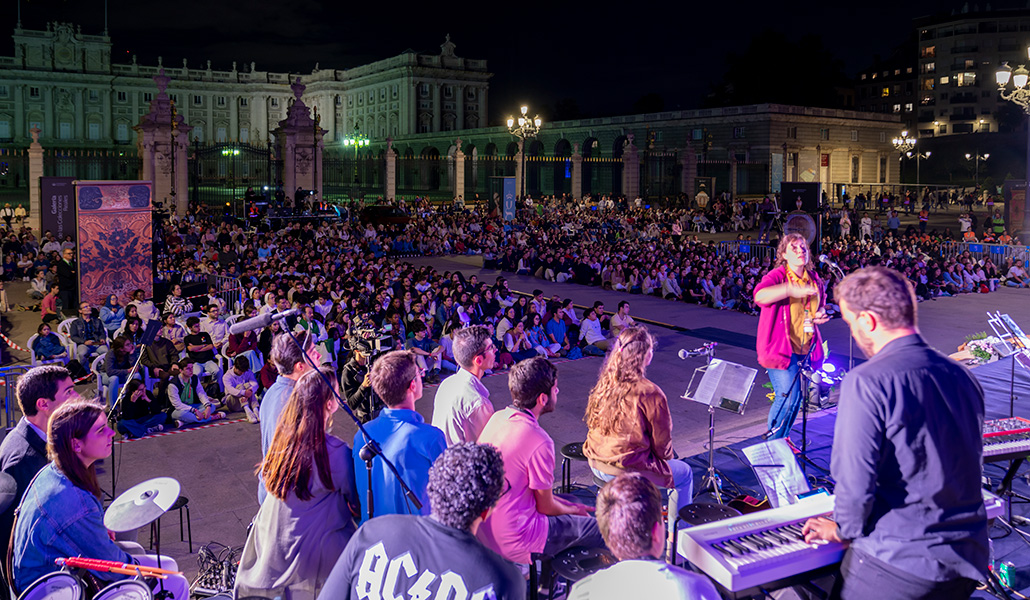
point(61, 515)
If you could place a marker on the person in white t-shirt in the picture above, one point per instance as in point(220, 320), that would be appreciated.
point(629, 514)
point(621, 319)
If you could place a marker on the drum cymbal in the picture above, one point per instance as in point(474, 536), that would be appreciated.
point(142, 504)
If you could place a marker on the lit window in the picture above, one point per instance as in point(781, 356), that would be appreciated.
point(908, 107)
point(886, 91)
point(944, 80)
point(897, 108)
point(965, 79)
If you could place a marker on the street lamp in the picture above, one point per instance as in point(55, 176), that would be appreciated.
point(903, 144)
point(1021, 96)
point(977, 157)
point(357, 140)
point(919, 156)
point(526, 128)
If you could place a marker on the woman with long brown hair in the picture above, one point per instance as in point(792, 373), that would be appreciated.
point(308, 516)
point(61, 515)
point(630, 426)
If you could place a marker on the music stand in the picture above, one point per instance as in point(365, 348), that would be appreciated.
point(1014, 344)
point(723, 385)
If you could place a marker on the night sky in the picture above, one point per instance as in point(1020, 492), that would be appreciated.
point(603, 60)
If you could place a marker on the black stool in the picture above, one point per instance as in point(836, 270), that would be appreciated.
point(578, 562)
point(534, 575)
point(181, 503)
point(693, 515)
point(569, 453)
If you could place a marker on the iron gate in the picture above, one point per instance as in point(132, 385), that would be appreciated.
point(220, 173)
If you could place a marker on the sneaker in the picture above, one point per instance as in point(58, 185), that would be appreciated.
point(250, 414)
point(218, 416)
point(155, 429)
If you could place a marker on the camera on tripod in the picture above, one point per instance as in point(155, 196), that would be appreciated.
point(369, 339)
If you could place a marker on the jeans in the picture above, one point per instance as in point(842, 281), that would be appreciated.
point(566, 531)
point(866, 577)
point(138, 427)
point(785, 409)
point(682, 492)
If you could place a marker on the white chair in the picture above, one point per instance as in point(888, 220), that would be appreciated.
point(96, 367)
point(38, 361)
point(65, 327)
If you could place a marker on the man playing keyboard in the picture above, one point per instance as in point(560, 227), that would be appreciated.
point(907, 452)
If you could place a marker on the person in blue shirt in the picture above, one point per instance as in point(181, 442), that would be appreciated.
point(405, 438)
point(557, 330)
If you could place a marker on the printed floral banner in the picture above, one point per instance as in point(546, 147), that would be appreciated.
point(115, 235)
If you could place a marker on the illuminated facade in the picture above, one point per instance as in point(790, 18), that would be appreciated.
point(65, 83)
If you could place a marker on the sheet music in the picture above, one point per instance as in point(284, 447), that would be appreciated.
point(1016, 332)
point(777, 471)
point(709, 384)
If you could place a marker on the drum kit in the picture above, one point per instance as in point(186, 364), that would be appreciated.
point(135, 508)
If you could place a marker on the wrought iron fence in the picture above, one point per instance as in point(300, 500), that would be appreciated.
point(660, 175)
point(426, 177)
point(353, 178)
point(484, 176)
point(92, 164)
point(602, 176)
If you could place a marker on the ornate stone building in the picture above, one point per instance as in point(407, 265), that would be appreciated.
point(65, 83)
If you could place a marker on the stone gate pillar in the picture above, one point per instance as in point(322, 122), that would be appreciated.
point(391, 171)
point(298, 139)
point(35, 172)
point(459, 171)
point(577, 173)
point(631, 170)
point(162, 139)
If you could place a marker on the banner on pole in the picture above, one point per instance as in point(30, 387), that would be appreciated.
point(57, 207)
point(509, 198)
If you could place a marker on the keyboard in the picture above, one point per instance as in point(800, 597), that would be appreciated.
point(1006, 439)
point(767, 548)
point(756, 549)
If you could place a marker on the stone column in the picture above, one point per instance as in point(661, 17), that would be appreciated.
point(819, 163)
point(518, 169)
point(733, 176)
point(459, 171)
point(688, 172)
point(391, 171)
point(35, 172)
point(577, 173)
point(631, 170)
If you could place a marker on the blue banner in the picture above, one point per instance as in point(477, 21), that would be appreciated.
point(997, 249)
point(976, 247)
point(509, 198)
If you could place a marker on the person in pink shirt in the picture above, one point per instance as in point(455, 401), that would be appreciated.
point(529, 518)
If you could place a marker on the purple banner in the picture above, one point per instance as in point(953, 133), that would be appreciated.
point(57, 207)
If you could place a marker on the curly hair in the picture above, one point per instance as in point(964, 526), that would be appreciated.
point(785, 242)
point(624, 368)
point(464, 481)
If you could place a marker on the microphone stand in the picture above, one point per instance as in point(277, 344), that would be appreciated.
point(116, 409)
point(839, 273)
point(372, 447)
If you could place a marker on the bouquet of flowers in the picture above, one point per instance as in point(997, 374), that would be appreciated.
point(981, 346)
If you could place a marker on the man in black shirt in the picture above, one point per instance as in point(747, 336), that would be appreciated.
point(436, 556)
point(201, 350)
point(356, 384)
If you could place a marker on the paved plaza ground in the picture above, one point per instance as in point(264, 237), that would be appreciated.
point(215, 465)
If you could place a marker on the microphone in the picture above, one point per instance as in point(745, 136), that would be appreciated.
point(704, 349)
point(826, 260)
point(261, 321)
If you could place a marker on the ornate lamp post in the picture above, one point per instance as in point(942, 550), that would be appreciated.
point(527, 128)
point(1021, 96)
point(903, 144)
point(357, 140)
